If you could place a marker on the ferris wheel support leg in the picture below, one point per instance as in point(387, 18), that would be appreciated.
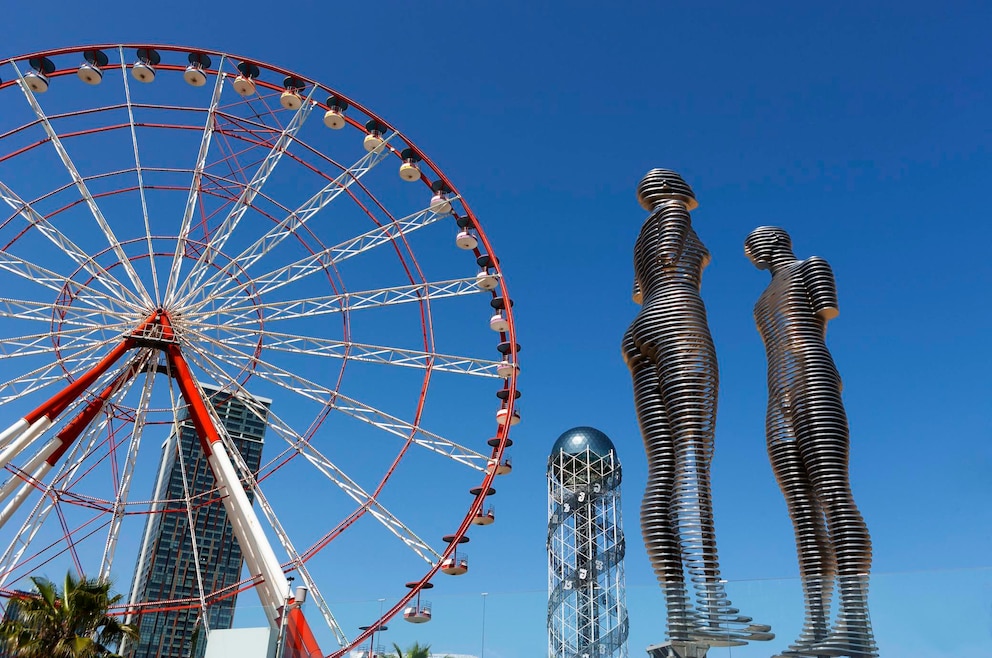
point(299, 641)
point(36, 429)
point(13, 431)
point(8, 487)
point(22, 494)
point(251, 537)
point(42, 462)
point(20, 435)
point(257, 550)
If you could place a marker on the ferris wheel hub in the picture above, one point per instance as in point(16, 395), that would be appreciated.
point(155, 332)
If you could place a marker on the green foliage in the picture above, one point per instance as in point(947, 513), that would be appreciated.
point(72, 623)
point(415, 650)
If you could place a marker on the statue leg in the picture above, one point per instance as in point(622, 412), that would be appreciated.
point(816, 560)
point(689, 380)
point(822, 434)
point(657, 509)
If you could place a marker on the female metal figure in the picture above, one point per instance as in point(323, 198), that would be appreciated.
point(808, 444)
point(671, 357)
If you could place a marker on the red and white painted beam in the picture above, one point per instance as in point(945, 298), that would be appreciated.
point(18, 436)
point(273, 590)
point(21, 434)
point(255, 546)
point(42, 462)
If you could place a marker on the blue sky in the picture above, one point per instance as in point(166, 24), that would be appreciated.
point(863, 130)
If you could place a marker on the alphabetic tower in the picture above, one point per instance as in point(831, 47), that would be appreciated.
point(587, 613)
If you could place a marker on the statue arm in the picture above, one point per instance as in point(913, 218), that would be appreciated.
point(673, 226)
point(821, 287)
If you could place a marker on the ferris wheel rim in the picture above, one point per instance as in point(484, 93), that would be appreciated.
point(275, 68)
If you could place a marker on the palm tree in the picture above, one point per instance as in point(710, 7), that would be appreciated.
point(414, 651)
point(73, 623)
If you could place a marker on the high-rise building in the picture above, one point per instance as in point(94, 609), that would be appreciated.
point(166, 568)
point(587, 613)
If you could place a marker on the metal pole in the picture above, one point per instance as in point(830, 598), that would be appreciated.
point(281, 637)
point(380, 628)
point(482, 654)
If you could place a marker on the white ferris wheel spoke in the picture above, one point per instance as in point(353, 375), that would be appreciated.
point(244, 202)
point(123, 488)
point(188, 503)
point(294, 309)
point(328, 469)
point(120, 293)
point(323, 259)
point(141, 182)
point(194, 188)
point(352, 489)
point(83, 360)
point(155, 507)
point(57, 486)
point(62, 285)
point(351, 351)
point(18, 346)
point(248, 478)
point(363, 498)
point(299, 217)
point(22, 309)
point(56, 141)
point(233, 358)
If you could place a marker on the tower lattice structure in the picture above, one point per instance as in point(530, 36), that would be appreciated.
point(587, 614)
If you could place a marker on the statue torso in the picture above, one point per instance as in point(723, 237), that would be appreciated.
point(654, 276)
point(672, 317)
point(794, 335)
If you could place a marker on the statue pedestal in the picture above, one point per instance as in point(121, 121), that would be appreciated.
point(679, 650)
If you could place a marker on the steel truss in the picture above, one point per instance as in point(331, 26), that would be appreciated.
point(587, 615)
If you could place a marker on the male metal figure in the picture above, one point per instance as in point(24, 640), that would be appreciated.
point(808, 444)
point(671, 357)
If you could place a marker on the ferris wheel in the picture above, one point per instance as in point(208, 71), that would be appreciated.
point(196, 244)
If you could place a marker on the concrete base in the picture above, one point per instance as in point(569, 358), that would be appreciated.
point(678, 650)
point(241, 642)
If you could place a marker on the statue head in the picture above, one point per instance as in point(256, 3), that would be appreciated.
point(661, 184)
point(764, 243)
